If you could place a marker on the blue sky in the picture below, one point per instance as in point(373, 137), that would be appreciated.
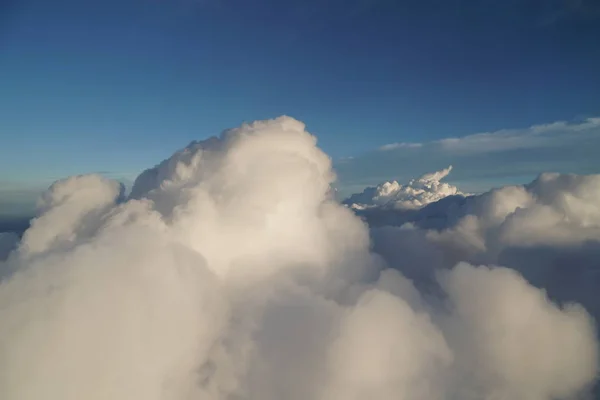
point(115, 86)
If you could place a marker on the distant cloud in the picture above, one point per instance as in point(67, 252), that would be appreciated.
point(536, 136)
point(393, 146)
point(507, 139)
point(482, 160)
point(548, 229)
point(415, 194)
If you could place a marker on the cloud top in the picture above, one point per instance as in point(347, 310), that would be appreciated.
point(415, 194)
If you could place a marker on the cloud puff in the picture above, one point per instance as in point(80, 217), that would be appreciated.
point(230, 272)
point(416, 194)
point(504, 338)
point(548, 230)
point(483, 160)
point(554, 209)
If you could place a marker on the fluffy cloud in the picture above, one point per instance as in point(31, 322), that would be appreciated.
point(416, 194)
point(548, 230)
point(503, 340)
point(231, 273)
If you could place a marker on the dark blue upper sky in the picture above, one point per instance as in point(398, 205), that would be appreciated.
point(117, 85)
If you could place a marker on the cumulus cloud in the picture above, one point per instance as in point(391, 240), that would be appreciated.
point(482, 160)
point(230, 272)
point(547, 230)
point(416, 194)
point(553, 210)
point(504, 338)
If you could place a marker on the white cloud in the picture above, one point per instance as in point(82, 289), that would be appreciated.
point(402, 145)
point(504, 328)
point(536, 136)
point(555, 209)
point(19, 199)
point(230, 272)
point(507, 139)
point(415, 194)
point(69, 211)
point(548, 230)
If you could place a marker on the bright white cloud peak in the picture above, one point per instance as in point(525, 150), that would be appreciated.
point(230, 273)
point(416, 194)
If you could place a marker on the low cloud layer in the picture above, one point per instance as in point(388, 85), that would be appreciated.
point(483, 160)
point(547, 230)
point(231, 273)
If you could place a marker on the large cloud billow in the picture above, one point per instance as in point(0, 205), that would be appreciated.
point(230, 272)
point(548, 231)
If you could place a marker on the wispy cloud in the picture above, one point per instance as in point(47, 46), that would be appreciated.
point(507, 139)
point(393, 146)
